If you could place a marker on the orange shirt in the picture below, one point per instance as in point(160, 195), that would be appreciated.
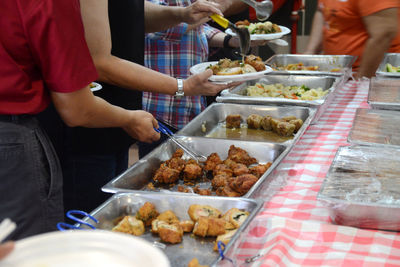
point(344, 31)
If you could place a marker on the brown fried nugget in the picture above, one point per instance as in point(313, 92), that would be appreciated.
point(260, 169)
point(222, 169)
point(237, 217)
point(297, 123)
point(227, 191)
point(225, 238)
point(196, 211)
point(212, 161)
point(240, 169)
point(155, 225)
point(187, 226)
point(233, 121)
point(256, 62)
point(170, 233)
point(285, 128)
point(201, 227)
point(216, 226)
point(254, 121)
point(240, 156)
point(147, 213)
point(130, 225)
point(266, 123)
point(243, 183)
point(168, 217)
point(192, 171)
point(219, 180)
point(166, 175)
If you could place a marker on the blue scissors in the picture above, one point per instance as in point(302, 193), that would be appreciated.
point(62, 226)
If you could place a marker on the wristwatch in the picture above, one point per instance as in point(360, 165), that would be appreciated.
point(179, 93)
point(227, 38)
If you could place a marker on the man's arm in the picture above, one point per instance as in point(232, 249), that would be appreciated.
point(82, 108)
point(382, 28)
point(127, 74)
point(314, 45)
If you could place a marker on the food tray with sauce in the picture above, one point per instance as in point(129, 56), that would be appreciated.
point(384, 93)
point(362, 187)
point(336, 65)
point(211, 122)
point(138, 177)
point(375, 127)
point(192, 246)
point(392, 59)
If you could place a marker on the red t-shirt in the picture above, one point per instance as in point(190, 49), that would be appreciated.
point(42, 47)
point(344, 30)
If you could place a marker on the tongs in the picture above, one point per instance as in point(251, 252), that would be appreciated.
point(243, 33)
point(194, 155)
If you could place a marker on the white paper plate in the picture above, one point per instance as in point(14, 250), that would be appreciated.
point(84, 248)
point(196, 69)
point(269, 36)
point(96, 87)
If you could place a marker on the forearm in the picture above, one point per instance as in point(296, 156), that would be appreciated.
point(315, 43)
point(159, 18)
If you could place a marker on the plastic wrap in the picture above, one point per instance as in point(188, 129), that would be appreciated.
point(362, 187)
point(375, 127)
point(384, 93)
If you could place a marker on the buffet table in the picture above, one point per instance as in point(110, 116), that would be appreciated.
point(293, 228)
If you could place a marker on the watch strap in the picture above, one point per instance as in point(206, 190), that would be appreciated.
point(179, 93)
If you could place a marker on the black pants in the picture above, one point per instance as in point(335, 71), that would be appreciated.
point(30, 175)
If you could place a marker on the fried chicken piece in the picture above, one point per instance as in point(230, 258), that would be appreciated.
point(225, 238)
point(202, 191)
point(212, 161)
point(195, 263)
point(219, 180)
point(243, 183)
point(260, 169)
point(156, 224)
point(266, 123)
point(236, 216)
point(274, 124)
point(222, 169)
point(176, 164)
point(285, 128)
point(289, 118)
point(224, 63)
point(240, 156)
point(201, 227)
point(147, 213)
point(196, 211)
point(233, 121)
point(255, 61)
point(168, 217)
point(297, 123)
point(242, 23)
point(209, 226)
point(227, 191)
point(166, 175)
point(130, 225)
point(187, 226)
point(183, 189)
point(170, 233)
point(230, 163)
point(178, 153)
point(192, 170)
point(240, 169)
point(254, 121)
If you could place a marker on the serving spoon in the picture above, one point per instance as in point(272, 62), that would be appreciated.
point(263, 9)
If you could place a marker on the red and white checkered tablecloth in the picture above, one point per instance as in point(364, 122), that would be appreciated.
point(293, 228)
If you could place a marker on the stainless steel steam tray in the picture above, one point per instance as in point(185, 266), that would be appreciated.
point(191, 247)
point(384, 93)
point(139, 175)
point(394, 60)
point(362, 187)
point(211, 122)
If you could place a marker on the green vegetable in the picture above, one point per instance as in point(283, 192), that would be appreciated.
point(298, 94)
point(305, 88)
point(390, 68)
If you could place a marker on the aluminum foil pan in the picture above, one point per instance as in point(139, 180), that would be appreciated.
point(191, 246)
point(384, 93)
point(362, 187)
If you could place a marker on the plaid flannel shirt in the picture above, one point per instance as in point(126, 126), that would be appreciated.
point(173, 52)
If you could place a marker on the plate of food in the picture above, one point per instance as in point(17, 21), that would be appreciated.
point(261, 30)
point(226, 70)
point(95, 86)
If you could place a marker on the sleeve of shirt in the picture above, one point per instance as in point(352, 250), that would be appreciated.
point(173, 34)
point(56, 36)
point(210, 31)
point(369, 7)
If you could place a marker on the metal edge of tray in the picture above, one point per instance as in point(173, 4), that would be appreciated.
point(384, 105)
point(258, 203)
point(380, 71)
point(110, 188)
point(336, 206)
point(237, 99)
point(311, 115)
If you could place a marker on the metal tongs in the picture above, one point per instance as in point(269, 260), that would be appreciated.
point(194, 155)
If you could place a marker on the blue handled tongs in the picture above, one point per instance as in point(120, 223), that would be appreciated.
point(62, 226)
point(194, 155)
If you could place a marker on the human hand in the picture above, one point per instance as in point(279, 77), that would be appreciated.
point(5, 249)
point(199, 85)
point(200, 11)
point(141, 126)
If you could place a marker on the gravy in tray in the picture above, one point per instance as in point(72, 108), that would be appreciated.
point(249, 134)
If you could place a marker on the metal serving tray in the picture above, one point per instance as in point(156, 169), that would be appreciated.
point(325, 63)
point(362, 187)
point(137, 177)
point(375, 127)
point(394, 60)
point(210, 123)
point(191, 247)
point(384, 93)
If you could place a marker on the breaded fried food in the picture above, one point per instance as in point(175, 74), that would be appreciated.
point(156, 224)
point(227, 191)
point(255, 61)
point(254, 121)
point(230, 163)
point(166, 175)
point(297, 123)
point(196, 211)
point(209, 226)
point(176, 164)
point(219, 180)
point(222, 169)
point(240, 169)
point(130, 225)
point(260, 169)
point(236, 216)
point(266, 123)
point(168, 217)
point(225, 238)
point(195, 263)
point(202, 191)
point(274, 124)
point(243, 183)
point(285, 128)
point(192, 170)
point(240, 156)
point(170, 233)
point(201, 226)
point(187, 226)
point(212, 161)
point(147, 213)
point(233, 121)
